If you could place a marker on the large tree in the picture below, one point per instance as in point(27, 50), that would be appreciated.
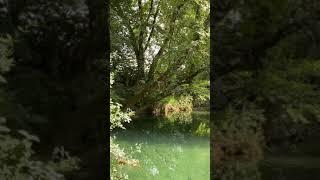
point(158, 46)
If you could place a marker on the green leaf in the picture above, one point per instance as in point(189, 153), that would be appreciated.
point(2, 80)
point(3, 120)
point(4, 129)
point(29, 136)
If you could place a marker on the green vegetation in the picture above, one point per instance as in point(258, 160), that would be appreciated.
point(160, 62)
point(266, 77)
point(18, 161)
point(17, 157)
point(171, 105)
point(51, 68)
point(118, 158)
point(159, 49)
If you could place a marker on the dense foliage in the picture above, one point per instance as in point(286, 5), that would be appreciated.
point(160, 62)
point(118, 158)
point(16, 154)
point(159, 49)
point(55, 88)
point(266, 75)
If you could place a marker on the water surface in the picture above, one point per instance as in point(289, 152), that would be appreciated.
point(175, 148)
point(275, 167)
point(290, 168)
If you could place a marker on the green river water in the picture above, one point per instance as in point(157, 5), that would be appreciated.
point(175, 148)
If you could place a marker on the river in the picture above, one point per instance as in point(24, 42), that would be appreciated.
point(175, 148)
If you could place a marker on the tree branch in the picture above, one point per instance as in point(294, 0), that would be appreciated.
point(133, 39)
point(154, 64)
point(153, 26)
point(151, 86)
point(150, 11)
point(140, 40)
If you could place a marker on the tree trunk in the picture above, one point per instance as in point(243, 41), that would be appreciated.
point(141, 66)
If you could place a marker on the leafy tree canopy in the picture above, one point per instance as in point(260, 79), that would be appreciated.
point(159, 47)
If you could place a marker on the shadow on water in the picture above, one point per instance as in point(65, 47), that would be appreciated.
point(274, 167)
point(290, 168)
point(174, 148)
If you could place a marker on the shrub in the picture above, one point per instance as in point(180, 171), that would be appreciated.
point(173, 104)
point(118, 158)
point(17, 161)
point(238, 135)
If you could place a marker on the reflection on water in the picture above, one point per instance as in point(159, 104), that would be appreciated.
point(238, 170)
point(291, 168)
point(273, 168)
point(178, 149)
point(170, 148)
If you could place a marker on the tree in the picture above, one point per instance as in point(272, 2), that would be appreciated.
point(265, 58)
point(160, 46)
point(59, 53)
point(17, 155)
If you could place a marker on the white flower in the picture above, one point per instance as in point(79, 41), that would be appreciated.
point(154, 171)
